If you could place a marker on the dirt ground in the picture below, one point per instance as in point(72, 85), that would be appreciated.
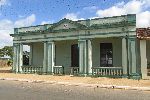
point(6, 73)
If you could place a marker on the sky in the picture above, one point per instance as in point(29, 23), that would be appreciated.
point(22, 13)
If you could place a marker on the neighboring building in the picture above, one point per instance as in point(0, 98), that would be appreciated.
point(102, 46)
point(4, 61)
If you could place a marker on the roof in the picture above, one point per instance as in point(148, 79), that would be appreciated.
point(88, 24)
point(143, 33)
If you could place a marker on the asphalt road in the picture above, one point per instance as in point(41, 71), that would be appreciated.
point(13, 90)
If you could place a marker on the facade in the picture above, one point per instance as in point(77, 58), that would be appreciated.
point(102, 47)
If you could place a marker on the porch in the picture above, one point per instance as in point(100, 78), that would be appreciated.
point(98, 57)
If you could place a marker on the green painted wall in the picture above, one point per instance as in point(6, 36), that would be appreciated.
point(38, 54)
point(63, 54)
point(117, 51)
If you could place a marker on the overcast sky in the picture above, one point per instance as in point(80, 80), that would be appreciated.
point(20, 13)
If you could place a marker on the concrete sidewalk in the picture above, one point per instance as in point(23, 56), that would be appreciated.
point(101, 82)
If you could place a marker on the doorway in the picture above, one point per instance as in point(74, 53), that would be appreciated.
point(106, 55)
point(74, 55)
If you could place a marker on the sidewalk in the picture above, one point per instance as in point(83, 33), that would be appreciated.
point(79, 81)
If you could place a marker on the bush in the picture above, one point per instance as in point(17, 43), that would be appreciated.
point(9, 63)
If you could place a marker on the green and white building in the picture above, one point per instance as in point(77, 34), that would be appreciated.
point(103, 47)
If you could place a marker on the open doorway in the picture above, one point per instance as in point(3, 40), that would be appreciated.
point(26, 55)
point(74, 55)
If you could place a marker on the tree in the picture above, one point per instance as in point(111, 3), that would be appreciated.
point(6, 51)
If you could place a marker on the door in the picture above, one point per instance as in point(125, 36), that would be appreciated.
point(74, 55)
point(106, 55)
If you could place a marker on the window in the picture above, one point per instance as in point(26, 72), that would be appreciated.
point(106, 55)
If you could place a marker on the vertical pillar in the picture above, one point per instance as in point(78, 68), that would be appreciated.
point(124, 57)
point(82, 57)
point(132, 58)
point(30, 55)
point(51, 56)
point(143, 58)
point(15, 55)
point(89, 49)
point(45, 58)
point(20, 57)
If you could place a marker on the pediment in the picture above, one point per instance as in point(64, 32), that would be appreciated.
point(66, 24)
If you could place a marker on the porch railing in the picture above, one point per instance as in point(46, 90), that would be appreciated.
point(107, 71)
point(58, 70)
point(148, 71)
point(74, 70)
point(32, 69)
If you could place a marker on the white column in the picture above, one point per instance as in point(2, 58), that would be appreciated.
point(124, 56)
point(89, 56)
point(143, 58)
point(51, 56)
point(14, 68)
point(45, 58)
point(20, 57)
point(82, 57)
point(133, 56)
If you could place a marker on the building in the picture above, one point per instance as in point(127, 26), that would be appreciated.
point(103, 46)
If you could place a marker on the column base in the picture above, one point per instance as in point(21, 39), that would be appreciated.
point(125, 76)
point(135, 76)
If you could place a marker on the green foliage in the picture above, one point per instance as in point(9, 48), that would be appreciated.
point(6, 51)
point(9, 63)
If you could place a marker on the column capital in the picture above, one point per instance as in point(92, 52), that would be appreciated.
point(81, 40)
point(17, 44)
point(50, 42)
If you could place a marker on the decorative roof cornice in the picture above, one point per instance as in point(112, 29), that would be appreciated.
point(79, 26)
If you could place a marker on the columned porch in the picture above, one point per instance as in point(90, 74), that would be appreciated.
point(55, 57)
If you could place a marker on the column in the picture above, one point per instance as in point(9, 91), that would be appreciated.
point(89, 48)
point(20, 57)
point(15, 55)
point(132, 58)
point(124, 57)
point(143, 58)
point(45, 58)
point(51, 56)
point(30, 55)
point(82, 57)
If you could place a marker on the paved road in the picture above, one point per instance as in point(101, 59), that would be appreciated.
point(12, 90)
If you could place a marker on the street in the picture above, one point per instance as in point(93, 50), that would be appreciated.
point(14, 90)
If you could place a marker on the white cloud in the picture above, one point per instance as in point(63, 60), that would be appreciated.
point(132, 7)
point(46, 22)
point(90, 8)
point(72, 16)
point(143, 19)
point(7, 27)
point(25, 22)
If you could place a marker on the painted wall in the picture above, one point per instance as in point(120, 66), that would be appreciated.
point(38, 54)
point(117, 51)
point(63, 54)
point(147, 50)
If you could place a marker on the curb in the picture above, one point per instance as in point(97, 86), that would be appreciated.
point(80, 84)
